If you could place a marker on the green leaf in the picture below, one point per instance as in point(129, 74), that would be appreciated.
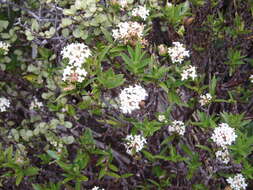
point(103, 53)
point(35, 25)
point(113, 168)
point(136, 61)
point(67, 179)
point(110, 80)
point(66, 22)
point(68, 139)
point(212, 86)
point(168, 139)
point(175, 13)
point(45, 53)
point(203, 147)
point(83, 178)
point(53, 154)
point(148, 155)
point(112, 174)
point(70, 110)
point(174, 98)
point(87, 138)
point(126, 175)
point(64, 166)
point(19, 177)
point(31, 171)
point(107, 35)
point(102, 173)
point(3, 24)
point(37, 187)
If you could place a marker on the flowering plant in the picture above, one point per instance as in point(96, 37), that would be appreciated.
point(125, 94)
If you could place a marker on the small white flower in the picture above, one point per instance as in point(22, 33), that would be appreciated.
point(178, 52)
point(251, 78)
point(4, 47)
point(131, 97)
point(4, 104)
point(162, 49)
point(224, 135)
point(169, 4)
point(189, 72)
point(237, 182)
point(134, 143)
point(97, 188)
point(122, 3)
point(74, 74)
point(76, 53)
point(161, 118)
point(128, 31)
point(35, 104)
point(141, 11)
point(223, 156)
point(205, 99)
point(177, 127)
point(57, 145)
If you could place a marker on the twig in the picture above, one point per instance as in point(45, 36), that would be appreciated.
point(22, 8)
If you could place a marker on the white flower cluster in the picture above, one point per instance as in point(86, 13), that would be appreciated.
point(141, 11)
point(73, 74)
point(189, 72)
point(134, 143)
point(251, 78)
point(97, 188)
point(35, 104)
point(169, 4)
point(237, 182)
point(223, 135)
point(223, 156)
point(178, 52)
point(162, 118)
point(205, 99)
point(4, 104)
point(57, 145)
point(4, 47)
point(128, 31)
point(177, 127)
point(76, 53)
point(131, 97)
point(122, 3)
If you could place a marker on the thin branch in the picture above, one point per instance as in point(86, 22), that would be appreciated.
point(34, 15)
point(19, 7)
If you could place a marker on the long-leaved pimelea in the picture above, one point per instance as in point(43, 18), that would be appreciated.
point(4, 104)
point(35, 104)
point(140, 11)
point(190, 72)
point(131, 97)
point(205, 99)
point(224, 135)
point(97, 188)
point(162, 118)
point(74, 74)
point(178, 52)
point(251, 78)
point(4, 47)
point(223, 156)
point(177, 127)
point(237, 182)
point(134, 143)
point(122, 3)
point(129, 32)
point(77, 54)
